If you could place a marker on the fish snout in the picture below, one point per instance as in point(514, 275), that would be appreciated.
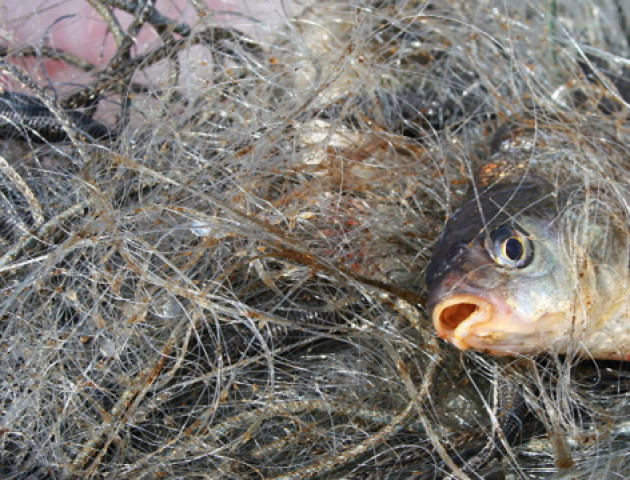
point(457, 316)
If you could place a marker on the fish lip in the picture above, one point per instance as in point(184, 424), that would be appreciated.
point(494, 327)
point(462, 335)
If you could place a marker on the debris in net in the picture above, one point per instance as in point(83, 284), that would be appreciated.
point(232, 287)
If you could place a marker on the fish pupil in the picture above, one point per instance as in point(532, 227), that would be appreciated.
point(513, 249)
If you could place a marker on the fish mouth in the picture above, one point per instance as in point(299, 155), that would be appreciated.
point(456, 317)
point(470, 320)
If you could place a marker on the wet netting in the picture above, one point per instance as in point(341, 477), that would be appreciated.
point(214, 235)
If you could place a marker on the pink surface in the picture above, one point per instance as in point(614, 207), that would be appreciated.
point(74, 26)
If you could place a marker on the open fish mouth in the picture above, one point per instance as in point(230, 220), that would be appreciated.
point(458, 317)
point(469, 320)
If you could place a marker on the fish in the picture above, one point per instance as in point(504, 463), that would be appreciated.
point(526, 268)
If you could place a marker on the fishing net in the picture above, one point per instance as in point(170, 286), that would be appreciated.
point(229, 282)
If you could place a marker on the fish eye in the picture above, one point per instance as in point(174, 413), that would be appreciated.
point(510, 247)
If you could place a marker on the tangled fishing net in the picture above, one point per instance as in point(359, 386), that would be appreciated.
point(231, 286)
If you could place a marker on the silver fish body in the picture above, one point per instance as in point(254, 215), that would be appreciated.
point(525, 268)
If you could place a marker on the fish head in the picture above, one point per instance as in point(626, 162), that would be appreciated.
point(498, 282)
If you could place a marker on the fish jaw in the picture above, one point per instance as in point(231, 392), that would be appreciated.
point(457, 316)
point(484, 323)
